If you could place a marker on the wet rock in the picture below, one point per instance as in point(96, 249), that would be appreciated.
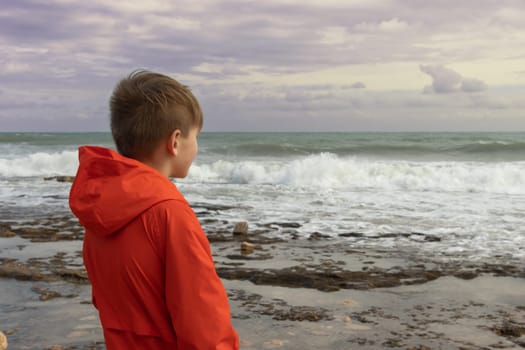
point(520, 341)
point(45, 293)
point(218, 237)
point(7, 234)
point(38, 270)
point(246, 248)
point(20, 271)
point(73, 275)
point(60, 178)
point(283, 225)
point(241, 229)
point(502, 270)
point(352, 234)
point(316, 236)
point(251, 257)
point(466, 275)
point(393, 343)
point(211, 207)
point(278, 309)
point(36, 234)
point(510, 329)
point(56, 347)
point(303, 313)
point(5, 231)
point(329, 277)
point(362, 341)
point(3, 341)
point(429, 238)
point(265, 240)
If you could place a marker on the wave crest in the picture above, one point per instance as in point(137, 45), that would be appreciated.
point(327, 170)
point(40, 164)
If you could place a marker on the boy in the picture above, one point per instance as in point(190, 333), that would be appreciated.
point(149, 262)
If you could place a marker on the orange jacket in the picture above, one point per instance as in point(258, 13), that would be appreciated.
point(149, 262)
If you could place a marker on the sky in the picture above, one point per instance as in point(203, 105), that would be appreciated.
point(288, 65)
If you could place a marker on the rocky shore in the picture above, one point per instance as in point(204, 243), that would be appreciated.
point(298, 292)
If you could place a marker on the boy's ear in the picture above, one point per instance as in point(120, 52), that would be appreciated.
point(172, 144)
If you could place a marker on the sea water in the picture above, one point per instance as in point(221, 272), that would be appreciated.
point(387, 190)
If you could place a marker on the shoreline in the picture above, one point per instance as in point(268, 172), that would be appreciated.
point(288, 294)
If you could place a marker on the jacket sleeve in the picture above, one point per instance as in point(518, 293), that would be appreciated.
point(195, 296)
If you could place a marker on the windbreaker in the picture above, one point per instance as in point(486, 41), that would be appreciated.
point(149, 262)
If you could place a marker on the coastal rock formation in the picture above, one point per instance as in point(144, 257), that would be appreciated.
point(286, 256)
point(38, 270)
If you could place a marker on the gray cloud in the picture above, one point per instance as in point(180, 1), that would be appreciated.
point(445, 80)
point(473, 85)
point(358, 85)
point(353, 110)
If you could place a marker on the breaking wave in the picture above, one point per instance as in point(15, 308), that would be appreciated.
point(324, 170)
point(327, 170)
point(40, 164)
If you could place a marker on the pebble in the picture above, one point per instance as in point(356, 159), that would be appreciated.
point(246, 248)
point(275, 343)
point(244, 343)
point(348, 302)
point(3, 341)
point(56, 347)
point(241, 229)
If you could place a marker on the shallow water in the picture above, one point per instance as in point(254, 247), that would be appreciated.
point(40, 324)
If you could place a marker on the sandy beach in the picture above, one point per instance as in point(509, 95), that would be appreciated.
point(298, 293)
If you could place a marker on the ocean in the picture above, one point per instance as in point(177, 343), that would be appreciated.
point(463, 194)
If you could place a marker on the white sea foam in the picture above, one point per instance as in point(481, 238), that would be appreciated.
point(330, 171)
point(40, 164)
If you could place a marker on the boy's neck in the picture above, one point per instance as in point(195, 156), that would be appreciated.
point(159, 163)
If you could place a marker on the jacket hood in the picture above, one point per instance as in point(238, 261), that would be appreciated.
point(110, 190)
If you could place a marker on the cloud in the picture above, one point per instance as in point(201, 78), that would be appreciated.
point(358, 85)
point(473, 85)
point(14, 67)
point(391, 25)
point(290, 59)
point(446, 80)
point(334, 109)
